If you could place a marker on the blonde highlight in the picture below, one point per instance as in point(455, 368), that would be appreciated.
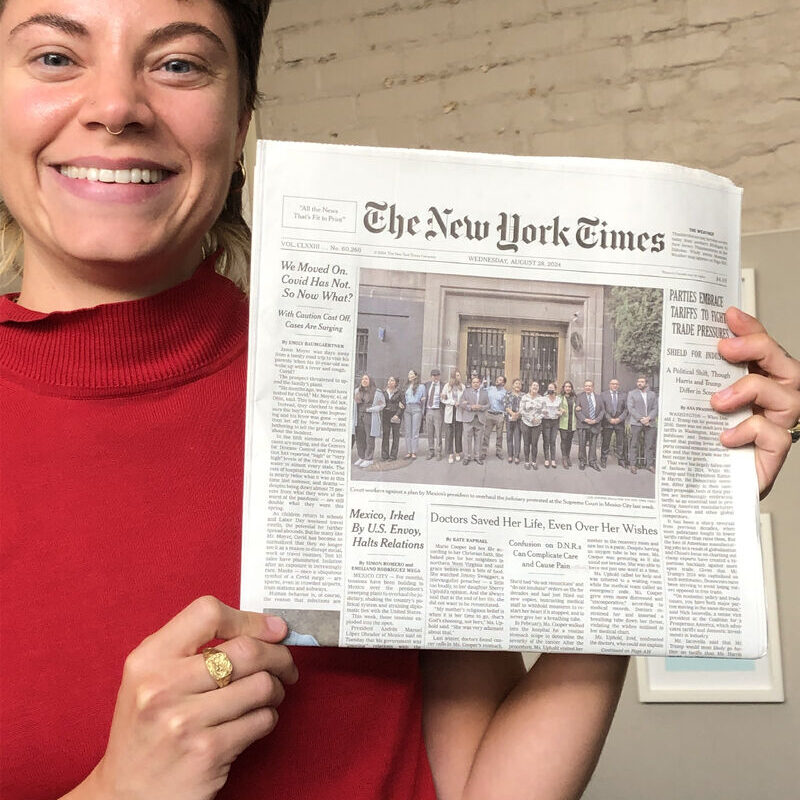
point(11, 243)
point(232, 240)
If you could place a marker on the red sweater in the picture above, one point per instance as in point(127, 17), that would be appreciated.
point(121, 451)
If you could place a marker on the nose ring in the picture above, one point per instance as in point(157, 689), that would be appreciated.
point(115, 133)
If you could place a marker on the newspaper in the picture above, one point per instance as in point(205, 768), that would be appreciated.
point(468, 514)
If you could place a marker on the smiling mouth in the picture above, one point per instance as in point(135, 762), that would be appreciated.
point(98, 175)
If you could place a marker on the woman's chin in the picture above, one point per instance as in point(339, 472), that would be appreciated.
point(118, 254)
point(115, 245)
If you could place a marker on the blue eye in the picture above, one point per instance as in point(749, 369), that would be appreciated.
point(179, 66)
point(55, 60)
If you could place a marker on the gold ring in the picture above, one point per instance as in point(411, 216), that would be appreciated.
point(218, 665)
point(115, 133)
point(794, 431)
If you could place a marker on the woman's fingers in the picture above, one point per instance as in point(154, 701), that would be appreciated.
point(772, 443)
point(752, 344)
point(780, 403)
point(208, 618)
point(775, 390)
point(247, 656)
point(742, 323)
point(260, 690)
point(772, 389)
point(231, 738)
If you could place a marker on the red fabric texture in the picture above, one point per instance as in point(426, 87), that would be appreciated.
point(121, 451)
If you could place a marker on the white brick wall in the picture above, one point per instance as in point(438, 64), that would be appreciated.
point(708, 83)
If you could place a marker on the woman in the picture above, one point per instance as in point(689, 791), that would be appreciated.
point(414, 398)
point(369, 404)
point(551, 412)
point(453, 423)
point(122, 369)
point(531, 409)
point(392, 419)
point(568, 422)
point(513, 423)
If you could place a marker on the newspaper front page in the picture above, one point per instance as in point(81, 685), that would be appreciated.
point(478, 405)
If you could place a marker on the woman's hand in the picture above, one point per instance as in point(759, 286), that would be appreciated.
point(772, 388)
point(175, 734)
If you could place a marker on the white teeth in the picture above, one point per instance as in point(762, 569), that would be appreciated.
point(134, 175)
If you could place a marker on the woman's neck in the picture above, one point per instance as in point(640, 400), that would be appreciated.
point(64, 284)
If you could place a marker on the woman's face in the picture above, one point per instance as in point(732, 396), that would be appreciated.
point(551, 388)
point(534, 388)
point(568, 388)
point(164, 72)
point(517, 385)
point(391, 384)
point(457, 376)
point(412, 376)
point(365, 381)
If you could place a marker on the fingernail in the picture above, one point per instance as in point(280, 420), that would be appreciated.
point(726, 436)
point(723, 394)
point(276, 625)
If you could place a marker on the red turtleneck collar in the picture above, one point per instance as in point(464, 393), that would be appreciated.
point(124, 348)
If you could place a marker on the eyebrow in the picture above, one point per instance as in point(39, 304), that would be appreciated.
point(159, 36)
point(177, 29)
point(57, 21)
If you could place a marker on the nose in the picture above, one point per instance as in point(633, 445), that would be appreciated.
point(116, 100)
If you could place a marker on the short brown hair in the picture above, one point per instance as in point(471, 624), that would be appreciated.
point(247, 19)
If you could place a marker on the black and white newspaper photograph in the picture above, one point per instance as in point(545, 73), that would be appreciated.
point(529, 383)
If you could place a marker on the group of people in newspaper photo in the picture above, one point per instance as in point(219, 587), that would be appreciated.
point(461, 421)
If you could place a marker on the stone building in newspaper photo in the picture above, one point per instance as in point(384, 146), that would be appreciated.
point(528, 329)
point(533, 330)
